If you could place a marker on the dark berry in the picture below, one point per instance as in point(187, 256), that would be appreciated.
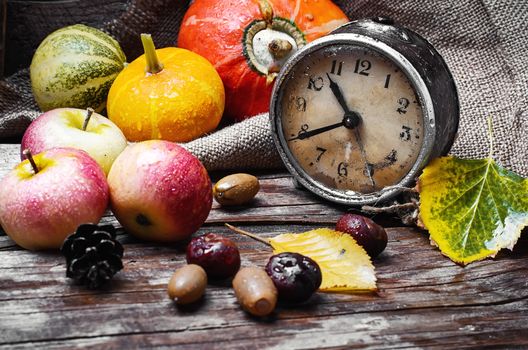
point(295, 276)
point(371, 236)
point(218, 255)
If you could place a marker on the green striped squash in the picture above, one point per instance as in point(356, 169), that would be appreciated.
point(75, 67)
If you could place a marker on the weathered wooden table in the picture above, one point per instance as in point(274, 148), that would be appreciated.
point(424, 300)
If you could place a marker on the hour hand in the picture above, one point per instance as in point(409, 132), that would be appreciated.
point(336, 90)
point(353, 117)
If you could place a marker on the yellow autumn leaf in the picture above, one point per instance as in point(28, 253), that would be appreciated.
point(345, 266)
point(472, 208)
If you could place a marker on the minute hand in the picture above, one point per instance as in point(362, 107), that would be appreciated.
point(307, 134)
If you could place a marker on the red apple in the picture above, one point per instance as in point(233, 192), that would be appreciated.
point(39, 209)
point(159, 191)
point(76, 128)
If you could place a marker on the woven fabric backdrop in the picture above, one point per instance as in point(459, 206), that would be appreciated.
point(484, 42)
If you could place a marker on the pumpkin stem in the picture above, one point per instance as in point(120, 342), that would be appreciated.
point(153, 64)
point(279, 48)
point(267, 48)
point(29, 156)
point(266, 11)
point(89, 112)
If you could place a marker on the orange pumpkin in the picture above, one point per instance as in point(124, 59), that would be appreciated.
point(247, 41)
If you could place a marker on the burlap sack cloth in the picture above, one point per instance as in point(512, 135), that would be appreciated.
point(484, 42)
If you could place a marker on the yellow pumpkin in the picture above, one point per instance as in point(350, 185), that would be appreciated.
point(171, 94)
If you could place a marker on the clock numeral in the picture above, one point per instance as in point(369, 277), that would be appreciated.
point(315, 83)
point(403, 104)
point(322, 151)
point(342, 169)
point(391, 158)
point(387, 80)
point(362, 67)
point(337, 65)
point(300, 103)
point(405, 135)
point(304, 129)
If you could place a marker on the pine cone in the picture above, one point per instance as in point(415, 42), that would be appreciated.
point(93, 255)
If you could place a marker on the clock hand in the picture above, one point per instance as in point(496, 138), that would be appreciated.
point(336, 90)
point(364, 157)
point(348, 122)
point(338, 94)
point(307, 134)
point(351, 121)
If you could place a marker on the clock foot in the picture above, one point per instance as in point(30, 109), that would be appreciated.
point(297, 184)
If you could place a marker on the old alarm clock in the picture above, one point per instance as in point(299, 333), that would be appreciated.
point(357, 114)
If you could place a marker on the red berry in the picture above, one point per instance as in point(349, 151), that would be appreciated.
point(371, 236)
point(217, 255)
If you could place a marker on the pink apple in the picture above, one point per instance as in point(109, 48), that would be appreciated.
point(38, 210)
point(159, 191)
point(63, 127)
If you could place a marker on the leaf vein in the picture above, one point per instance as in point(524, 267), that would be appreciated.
point(475, 205)
point(501, 179)
point(461, 195)
point(495, 205)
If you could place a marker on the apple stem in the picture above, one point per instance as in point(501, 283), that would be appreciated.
point(249, 234)
point(153, 63)
point(27, 154)
point(89, 112)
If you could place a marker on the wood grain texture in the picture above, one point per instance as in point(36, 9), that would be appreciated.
point(424, 300)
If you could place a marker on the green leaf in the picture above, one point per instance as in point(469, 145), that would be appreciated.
point(472, 208)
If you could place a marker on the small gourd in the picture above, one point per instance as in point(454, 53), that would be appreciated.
point(74, 67)
point(171, 94)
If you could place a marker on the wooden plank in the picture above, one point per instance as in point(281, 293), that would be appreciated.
point(417, 287)
point(500, 327)
point(424, 300)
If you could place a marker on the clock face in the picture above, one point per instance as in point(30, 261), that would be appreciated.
point(351, 119)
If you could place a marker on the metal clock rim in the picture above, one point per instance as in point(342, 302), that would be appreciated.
point(351, 197)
